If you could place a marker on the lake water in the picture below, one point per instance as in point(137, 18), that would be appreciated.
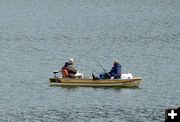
point(38, 36)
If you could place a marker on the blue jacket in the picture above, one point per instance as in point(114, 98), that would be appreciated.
point(116, 71)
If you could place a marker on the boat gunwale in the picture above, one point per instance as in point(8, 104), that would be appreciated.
point(91, 81)
point(126, 84)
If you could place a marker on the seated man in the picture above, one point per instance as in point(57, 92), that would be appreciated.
point(115, 72)
point(69, 70)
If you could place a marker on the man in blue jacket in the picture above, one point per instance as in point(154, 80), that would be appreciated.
point(115, 72)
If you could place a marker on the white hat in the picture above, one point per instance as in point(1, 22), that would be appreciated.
point(71, 60)
point(116, 62)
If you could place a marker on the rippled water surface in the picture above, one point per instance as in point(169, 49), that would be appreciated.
point(38, 36)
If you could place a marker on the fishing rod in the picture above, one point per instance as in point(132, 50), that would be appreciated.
point(96, 61)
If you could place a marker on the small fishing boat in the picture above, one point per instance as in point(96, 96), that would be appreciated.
point(88, 82)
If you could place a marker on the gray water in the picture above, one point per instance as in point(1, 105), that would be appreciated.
point(38, 36)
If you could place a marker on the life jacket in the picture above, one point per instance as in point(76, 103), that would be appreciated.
point(64, 72)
